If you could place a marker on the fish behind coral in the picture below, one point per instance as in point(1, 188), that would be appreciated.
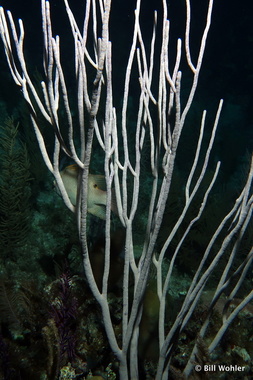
point(96, 203)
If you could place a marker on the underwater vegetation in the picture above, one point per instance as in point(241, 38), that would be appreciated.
point(15, 192)
point(57, 333)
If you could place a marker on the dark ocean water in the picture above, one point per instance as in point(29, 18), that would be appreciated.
point(227, 68)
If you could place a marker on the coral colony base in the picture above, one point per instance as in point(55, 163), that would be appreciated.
point(126, 244)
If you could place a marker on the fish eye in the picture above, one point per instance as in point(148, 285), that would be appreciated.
point(95, 186)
